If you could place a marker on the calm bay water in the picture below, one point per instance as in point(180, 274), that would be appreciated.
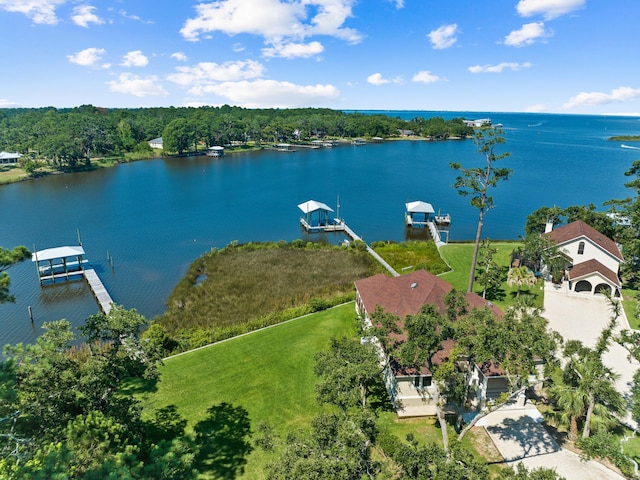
point(155, 217)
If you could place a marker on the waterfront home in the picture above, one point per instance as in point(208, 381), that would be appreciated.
point(479, 123)
point(594, 259)
point(156, 143)
point(10, 158)
point(412, 391)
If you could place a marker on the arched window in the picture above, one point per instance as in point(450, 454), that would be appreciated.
point(580, 248)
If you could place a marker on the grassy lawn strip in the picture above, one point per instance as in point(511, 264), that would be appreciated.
point(411, 256)
point(458, 256)
point(629, 303)
point(269, 373)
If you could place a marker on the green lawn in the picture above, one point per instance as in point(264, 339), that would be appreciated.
point(411, 255)
point(269, 373)
point(629, 303)
point(458, 256)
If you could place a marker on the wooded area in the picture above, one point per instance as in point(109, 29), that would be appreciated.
point(68, 137)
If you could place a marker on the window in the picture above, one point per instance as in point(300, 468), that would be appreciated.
point(422, 382)
point(580, 248)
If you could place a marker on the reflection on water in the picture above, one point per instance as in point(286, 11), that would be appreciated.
point(156, 217)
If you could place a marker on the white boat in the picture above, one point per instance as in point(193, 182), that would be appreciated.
point(629, 146)
point(443, 219)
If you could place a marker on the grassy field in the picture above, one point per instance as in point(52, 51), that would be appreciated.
point(458, 256)
point(268, 373)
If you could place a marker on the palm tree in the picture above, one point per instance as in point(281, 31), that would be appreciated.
point(572, 403)
point(521, 276)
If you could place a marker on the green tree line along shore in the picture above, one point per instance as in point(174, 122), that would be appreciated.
point(51, 138)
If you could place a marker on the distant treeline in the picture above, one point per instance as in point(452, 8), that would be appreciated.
point(68, 137)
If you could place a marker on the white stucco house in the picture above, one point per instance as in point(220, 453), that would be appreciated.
point(594, 258)
point(412, 390)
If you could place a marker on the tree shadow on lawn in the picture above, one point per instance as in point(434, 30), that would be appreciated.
point(223, 439)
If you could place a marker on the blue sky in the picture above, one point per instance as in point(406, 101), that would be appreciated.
point(560, 56)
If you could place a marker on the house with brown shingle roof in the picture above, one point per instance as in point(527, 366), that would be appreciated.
point(411, 390)
point(595, 258)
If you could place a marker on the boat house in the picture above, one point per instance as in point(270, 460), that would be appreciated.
point(215, 151)
point(59, 262)
point(317, 217)
point(418, 214)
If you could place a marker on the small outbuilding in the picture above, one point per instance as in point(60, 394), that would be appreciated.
point(156, 143)
point(10, 158)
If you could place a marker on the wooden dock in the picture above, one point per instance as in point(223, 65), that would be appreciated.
point(66, 263)
point(99, 290)
point(350, 233)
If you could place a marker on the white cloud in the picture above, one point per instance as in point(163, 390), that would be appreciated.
point(179, 56)
point(499, 68)
point(138, 86)
point(377, 79)
point(537, 108)
point(444, 36)
point(399, 3)
point(4, 103)
point(549, 9)
point(425, 76)
point(83, 16)
point(527, 35)
point(135, 59)
point(205, 73)
point(621, 94)
point(293, 50)
point(40, 11)
point(88, 57)
point(237, 47)
point(275, 20)
point(273, 94)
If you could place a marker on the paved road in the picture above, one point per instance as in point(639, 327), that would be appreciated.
point(520, 437)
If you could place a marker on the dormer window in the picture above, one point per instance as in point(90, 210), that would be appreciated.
point(580, 248)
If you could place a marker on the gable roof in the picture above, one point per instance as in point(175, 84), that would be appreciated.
point(577, 229)
point(593, 266)
point(311, 206)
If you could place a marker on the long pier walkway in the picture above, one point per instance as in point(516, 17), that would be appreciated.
point(371, 251)
point(98, 289)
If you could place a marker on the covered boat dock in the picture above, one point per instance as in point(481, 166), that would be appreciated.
point(67, 262)
point(317, 217)
point(418, 214)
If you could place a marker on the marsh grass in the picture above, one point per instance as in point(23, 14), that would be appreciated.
point(263, 283)
point(411, 256)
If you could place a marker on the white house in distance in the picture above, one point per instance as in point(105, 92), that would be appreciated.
point(412, 391)
point(595, 258)
point(10, 158)
point(156, 143)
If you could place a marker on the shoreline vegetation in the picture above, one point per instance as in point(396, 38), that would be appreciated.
point(625, 138)
point(85, 138)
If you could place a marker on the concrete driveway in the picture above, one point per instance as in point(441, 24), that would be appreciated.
point(520, 437)
point(582, 317)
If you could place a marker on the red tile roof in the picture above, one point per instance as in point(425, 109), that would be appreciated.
point(593, 266)
point(406, 294)
point(578, 229)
